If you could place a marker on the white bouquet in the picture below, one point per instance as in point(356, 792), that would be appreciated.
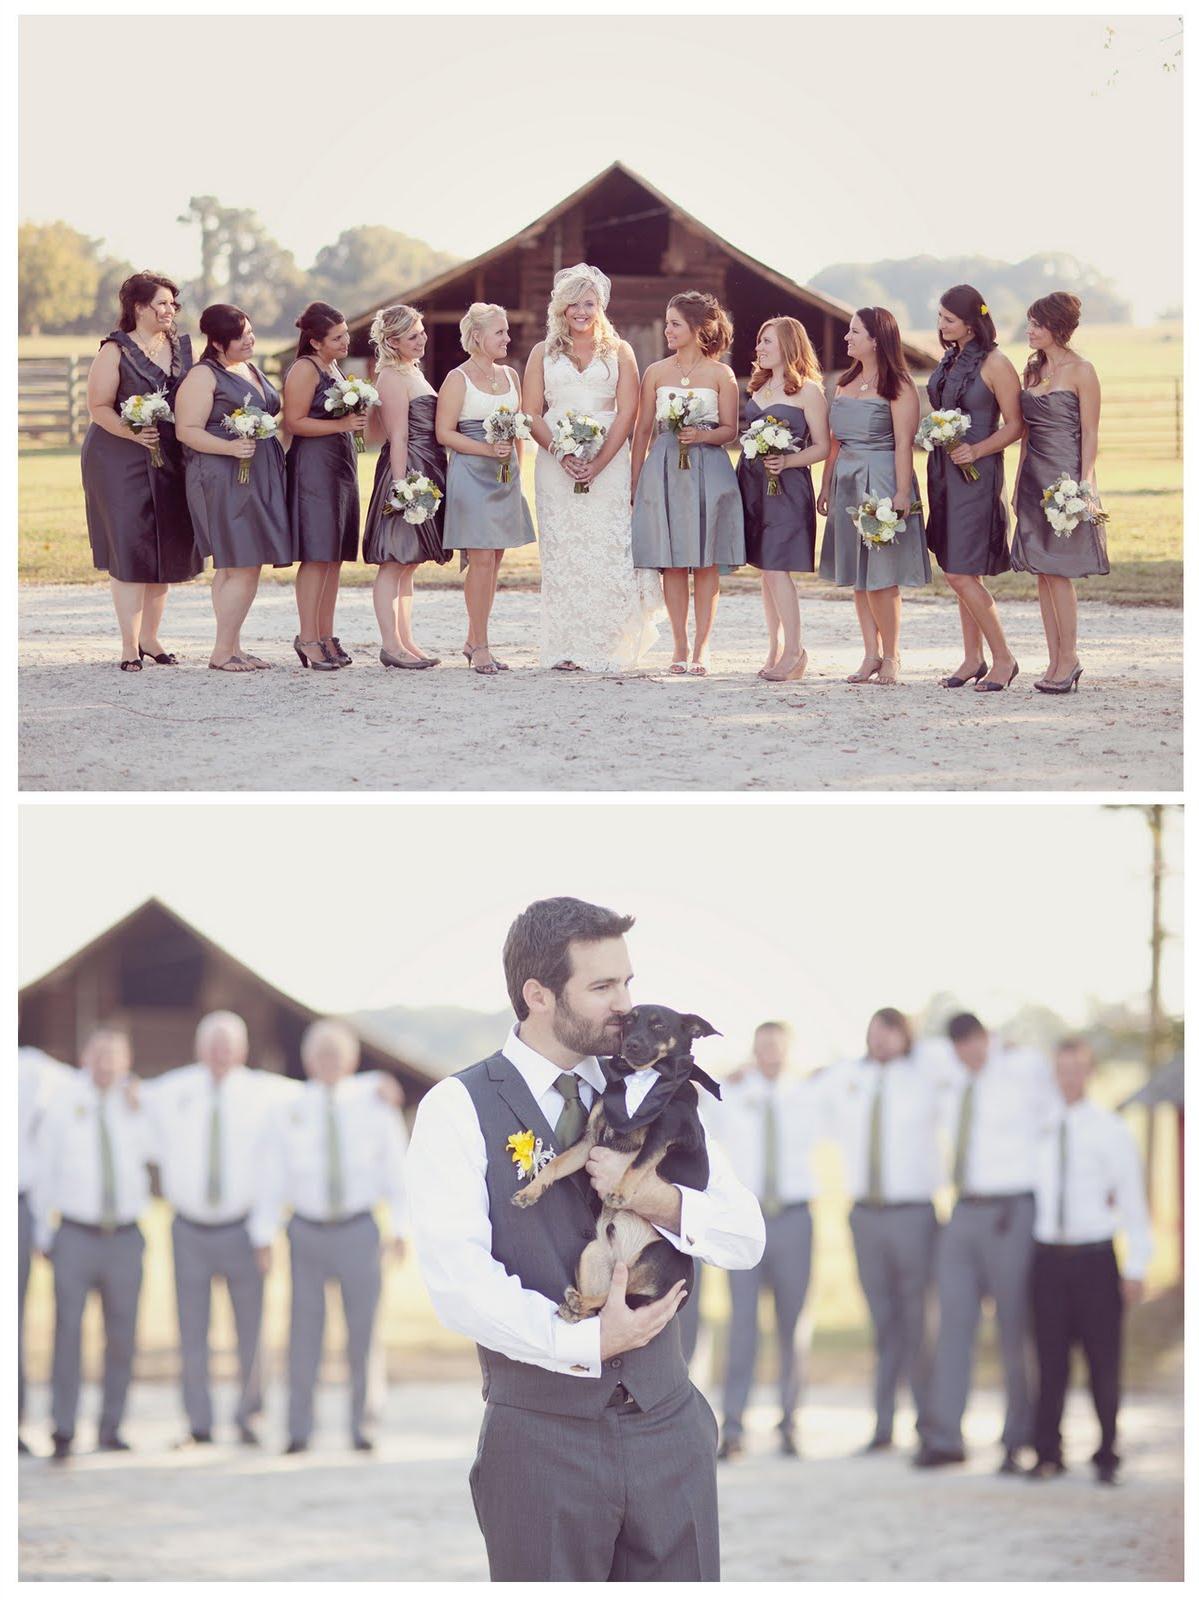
point(768, 436)
point(678, 409)
point(249, 422)
point(576, 434)
point(351, 394)
point(877, 520)
point(504, 426)
point(414, 497)
point(942, 430)
point(146, 411)
point(1067, 502)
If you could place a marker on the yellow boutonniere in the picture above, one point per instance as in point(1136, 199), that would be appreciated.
point(528, 1153)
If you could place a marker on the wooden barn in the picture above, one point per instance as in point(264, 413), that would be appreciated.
point(157, 976)
point(650, 248)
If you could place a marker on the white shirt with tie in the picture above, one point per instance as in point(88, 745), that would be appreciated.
point(471, 1291)
point(39, 1077)
point(1104, 1187)
point(911, 1113)
point(1015, 1097)
point(739, 1121)
point(70, 1177)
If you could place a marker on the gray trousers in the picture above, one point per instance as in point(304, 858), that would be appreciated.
point(84, 1260)
point(628, 1496)
point(986, 1248)
point(349, 1252)
point(785, 1267)
point(24, 1258)
point(896, 1247)
point(202, 1254)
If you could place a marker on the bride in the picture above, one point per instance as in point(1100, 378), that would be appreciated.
point(597, 612)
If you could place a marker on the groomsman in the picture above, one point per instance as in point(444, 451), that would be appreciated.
point(38, 1076)
point(92, 1152)
point(768, 1122)
point(998, 1103)
point(330, 1156)
point(1089, 1184)
point(207, 1121)
point(883, 1110)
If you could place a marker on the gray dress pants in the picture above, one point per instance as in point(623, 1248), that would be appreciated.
point(85, 1259)
point(203, 1253)
point(895, 1247)
point(785, 1267)
point(349, 1252)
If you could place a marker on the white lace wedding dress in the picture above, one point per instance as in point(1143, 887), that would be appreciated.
point(596, 610)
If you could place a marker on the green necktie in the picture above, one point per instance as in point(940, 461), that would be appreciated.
point(214, 1150)
point(965, 1128)
point(108, 1176)
point(874, 1167)
point(1061, 1180)
point(337, 1197)
point(573, 1117)
point(770, 1159)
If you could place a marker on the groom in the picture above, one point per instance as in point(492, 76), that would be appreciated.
point(597, 1457)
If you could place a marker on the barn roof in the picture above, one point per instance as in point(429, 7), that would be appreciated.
point(1164, 1088)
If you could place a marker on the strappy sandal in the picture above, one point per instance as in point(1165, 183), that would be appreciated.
point(489, 668)
point(862, 676)
point(131, 666)
point(679, 668)
point(163, 659)
point(698, 669)
point(892, 681)
point(258, 664)
point(231, 664)
point(342, 657)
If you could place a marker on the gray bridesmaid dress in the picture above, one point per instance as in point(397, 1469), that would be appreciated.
point(481, 513)
point(865, 465)
point(1054, 446)
point(780, 529)
point(240, 524)
point(137, 516)
point(967, 522)
point(391, 538)
point(689, 518)
point(322, 487)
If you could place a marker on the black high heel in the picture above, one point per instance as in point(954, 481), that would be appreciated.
point(989, 686)
point(336, 653)
point(317, 666)
point(1065, 686)
point(971, 677)
point(131, 666)
point(165, 659)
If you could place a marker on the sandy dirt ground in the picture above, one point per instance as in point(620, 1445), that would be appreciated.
point(86, 726)
point(229, 1513)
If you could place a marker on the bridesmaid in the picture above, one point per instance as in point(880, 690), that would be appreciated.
point(137, 516)
point(483, 517)
point(780, 530)
point(405, 420)
point(967, 521)
point(241, 526)
point(689, 521)
point(873, 419)
point(322, 482)
point(1060, 402)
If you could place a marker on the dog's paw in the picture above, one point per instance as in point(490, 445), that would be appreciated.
point(523, 1198)
point(615, 1201)
point(571, 1309)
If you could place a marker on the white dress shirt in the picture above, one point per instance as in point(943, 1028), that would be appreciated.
point(738, 1119)
point(471, 1291)
point(1015, 1097)
point(69, 1177)
point(293, 1164)
point(1105, 1187)
point(912, 1112)
point(39, 1077)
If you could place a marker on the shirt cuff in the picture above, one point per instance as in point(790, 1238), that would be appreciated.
point(690, 1237)
point(577, 1347)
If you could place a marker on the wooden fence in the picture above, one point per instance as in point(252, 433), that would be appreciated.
point(52, 399)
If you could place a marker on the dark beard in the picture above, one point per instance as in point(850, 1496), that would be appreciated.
point(583, 1037)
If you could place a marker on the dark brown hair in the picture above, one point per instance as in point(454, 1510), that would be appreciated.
point(139, 290)
point(1075, 1043)
point(707, 319)
point(1059, 312)
point(965, 303)
point(892, 1018)
point(314, 323)
point(965, 1025)
point(220, 325)
point(538, 943)
point(892, 368)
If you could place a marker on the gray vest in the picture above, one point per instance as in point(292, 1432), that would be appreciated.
point(541, 1246)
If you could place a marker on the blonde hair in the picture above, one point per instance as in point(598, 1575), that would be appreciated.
point(569, 288)
point(800, 365)
point(334, 1031)
point(392, 322)
point(471, 325)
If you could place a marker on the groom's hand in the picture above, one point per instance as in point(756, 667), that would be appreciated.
point(622, 1328)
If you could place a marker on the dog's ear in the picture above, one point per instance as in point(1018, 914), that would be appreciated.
point(697, 1028)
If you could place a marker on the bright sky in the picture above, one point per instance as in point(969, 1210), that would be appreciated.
point(988, 135)
point(742, 911)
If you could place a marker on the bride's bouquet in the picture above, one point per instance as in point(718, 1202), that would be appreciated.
point(504, 426)
point(678, 409)
point(249, 422)
point(576, 434)
point(1067, 502)
point(944, 429)
point(768, 437)
point(414, 497)
point(351, 394)
point(877, 520)
point(146, 411)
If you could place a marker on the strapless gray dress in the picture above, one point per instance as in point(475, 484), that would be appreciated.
point(967, 522)
point(687, 518)
point(137, 517)
point(865, 465)
point(322, 487)
point(1054, 446)
point(481, 513)
point(391, 538)
point(780, 529)
point(240, 524)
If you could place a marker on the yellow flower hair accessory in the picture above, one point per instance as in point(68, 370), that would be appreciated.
point(984, 310)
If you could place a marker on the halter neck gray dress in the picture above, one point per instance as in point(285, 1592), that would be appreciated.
point(1054, 446)
point(391, 538)
point(780, 529)
point(967, 522)
point(137, 517)
point(322, 487)
point(865, 465)
point(240, 524)
point(688, 518)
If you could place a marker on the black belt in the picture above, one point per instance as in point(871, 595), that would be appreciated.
point(994, 1199)
point(234, 1222)
point(99, 1228)
point(620, 1397)
point(1076, 1249)
point(339, 1222)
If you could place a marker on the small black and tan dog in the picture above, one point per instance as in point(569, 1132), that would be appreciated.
point(664, 1131)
